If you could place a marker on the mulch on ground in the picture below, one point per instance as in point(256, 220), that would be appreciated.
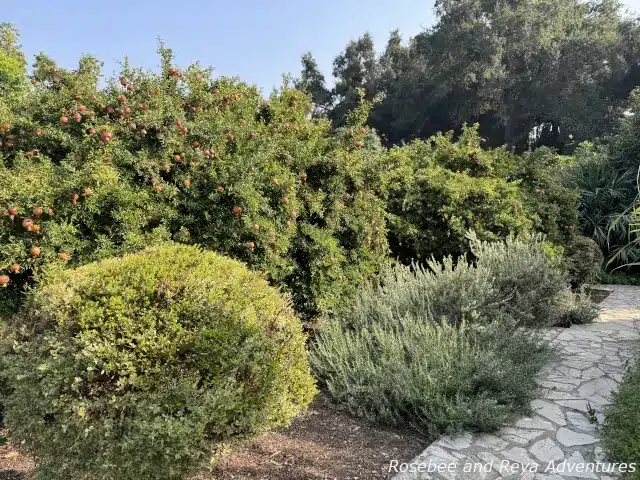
point(321, 444)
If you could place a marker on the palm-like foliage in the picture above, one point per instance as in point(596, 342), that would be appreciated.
point(605, 193)
point(627, 254)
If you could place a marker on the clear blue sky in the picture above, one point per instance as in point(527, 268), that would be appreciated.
point(258, 40)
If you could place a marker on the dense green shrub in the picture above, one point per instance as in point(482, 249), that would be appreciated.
point(621, 428)
point(436, 191)
point(585, 260)
point(183, 155)
point(137, 367)
point(553, 205)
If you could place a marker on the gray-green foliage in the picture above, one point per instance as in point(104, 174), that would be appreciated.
point(433, 377)
point(448, 345)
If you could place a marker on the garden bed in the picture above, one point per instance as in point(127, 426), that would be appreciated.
point(322, 443)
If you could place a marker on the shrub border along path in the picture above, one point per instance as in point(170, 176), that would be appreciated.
point(575, 390)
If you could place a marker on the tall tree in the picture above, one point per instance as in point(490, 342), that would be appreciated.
point(531, 72)
point(312, 81)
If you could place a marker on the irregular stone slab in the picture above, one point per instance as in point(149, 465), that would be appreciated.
point(550, 411)
point(593, 372)
point(458, 442)
point(520, 436)
point(491, 442)
point(571, 438)
point(536, 423)
point(569, 372)
point(564, 379)
point(570, 467)
point(546, 450)
point(555, 395)
point(490, 459)
point(597, 389)
point(552, 385)
point(580, 422)
point(518, 455)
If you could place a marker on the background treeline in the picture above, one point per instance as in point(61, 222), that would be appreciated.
point(550, 73)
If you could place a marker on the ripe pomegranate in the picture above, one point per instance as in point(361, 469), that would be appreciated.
point(106, 136)
point(351, 132)
point(82, 108)
point(177, 158)
point(12, 211)
point(74, 198)
point(187, 183)
point(92, 131)
point(122, 98)
point(35, 252)
point(363, 130)
point(94, 98)
point(243, 122)
point(166, 167)
point(303, 177)
point(252, 135)
point(220, 188)
point(77, 117)
point(15, 268)
point(110, 110)
point(237, 211)
point(37, 211)
point(64, 120)
point(154, 180)
point(78, 97)
point(195, 144)
point(294, 214)
point(4, 280)
point(39, 132)
point(126, 110)
point(27, 223)
point(358, 144)
point(35, 228)
point(179, 123)
point(50, 212)
point(158, 188)
point(132, 126)
point(64, 256)
point(215, 91)
point(251, 245)
point(5, 127)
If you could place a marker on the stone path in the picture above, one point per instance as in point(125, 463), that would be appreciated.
point(560, 440)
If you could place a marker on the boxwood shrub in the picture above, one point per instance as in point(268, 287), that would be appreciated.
point(142, 366)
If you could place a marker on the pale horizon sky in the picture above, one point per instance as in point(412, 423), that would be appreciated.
point(256, 40)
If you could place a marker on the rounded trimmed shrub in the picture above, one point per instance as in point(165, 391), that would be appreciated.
point(140, 367)
point(584, 260)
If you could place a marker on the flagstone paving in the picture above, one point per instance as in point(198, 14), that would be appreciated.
point(560, 440)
